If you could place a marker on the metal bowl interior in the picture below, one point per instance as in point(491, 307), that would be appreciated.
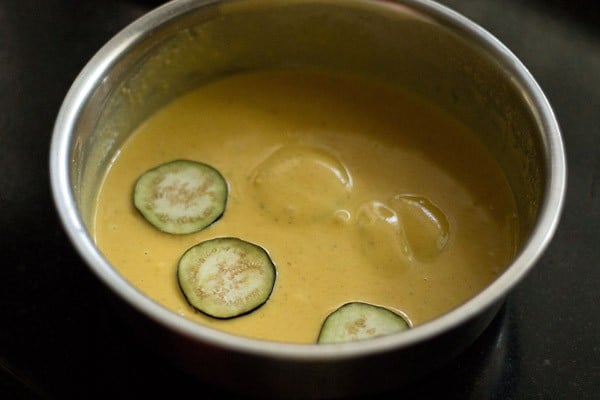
point(418, 45)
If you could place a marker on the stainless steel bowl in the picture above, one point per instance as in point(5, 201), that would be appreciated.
point(419, 45)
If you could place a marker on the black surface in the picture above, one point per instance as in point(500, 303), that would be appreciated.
point(59, 338)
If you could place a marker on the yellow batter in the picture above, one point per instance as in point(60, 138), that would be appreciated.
point(358, 191)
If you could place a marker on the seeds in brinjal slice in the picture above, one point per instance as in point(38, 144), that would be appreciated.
point(360, 321)
point(181, 196)
point(226, 277)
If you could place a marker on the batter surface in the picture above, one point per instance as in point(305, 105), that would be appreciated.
point(358, 191)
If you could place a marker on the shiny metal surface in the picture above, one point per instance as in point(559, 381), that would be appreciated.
point(417, 44)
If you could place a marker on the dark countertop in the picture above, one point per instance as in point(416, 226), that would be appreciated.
point(59, 338)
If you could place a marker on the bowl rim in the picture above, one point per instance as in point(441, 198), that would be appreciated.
point(542, 232)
